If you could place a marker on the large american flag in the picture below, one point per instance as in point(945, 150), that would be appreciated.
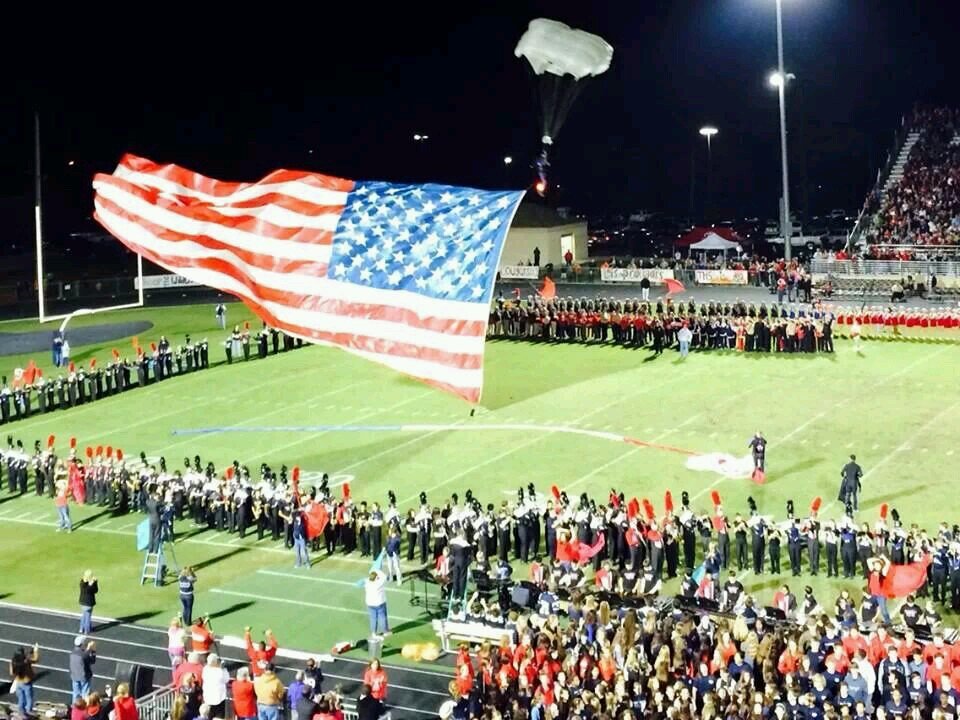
point(399, 274)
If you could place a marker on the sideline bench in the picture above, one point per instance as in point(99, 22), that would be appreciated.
point(473, 633)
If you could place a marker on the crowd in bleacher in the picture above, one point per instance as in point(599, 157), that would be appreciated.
point(923, 208)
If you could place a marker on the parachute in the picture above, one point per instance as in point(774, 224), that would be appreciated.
point(561, 59)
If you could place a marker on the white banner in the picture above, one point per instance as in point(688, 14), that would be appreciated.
point(163, 282)
point(519, 272)
point(721, 277)
point(654, 275)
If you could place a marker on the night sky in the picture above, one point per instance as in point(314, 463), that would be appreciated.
point(343, 90)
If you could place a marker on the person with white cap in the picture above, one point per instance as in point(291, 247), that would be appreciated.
point(82, 658)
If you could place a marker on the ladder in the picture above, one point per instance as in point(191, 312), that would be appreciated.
point(154, 564)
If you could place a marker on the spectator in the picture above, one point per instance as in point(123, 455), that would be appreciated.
point(201, 638)
point(369, 707)
point(244, 698)
point(270, 694)
point(82, 658)
point(313, 676)
point(375, 677)
point(376, 599)
point(214, 679)
point(176, 642)
point(22, 674)
point(124, 706)
point(295, 692)
point(262, 653)
point(78, 710)
point(88, 599)
point(192, 666)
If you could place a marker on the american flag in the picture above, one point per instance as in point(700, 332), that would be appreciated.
point(398, 274)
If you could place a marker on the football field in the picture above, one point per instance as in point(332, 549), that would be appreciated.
point(585, 418)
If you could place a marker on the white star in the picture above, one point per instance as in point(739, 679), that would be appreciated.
point(381, 265)
point(395, 277)
point(357, 206)
point(393, 191)
point(365, 275)
point(398, 256)
point(340, 271)
point(399, 201)
point(487, 245)
point(431, 239)
point(503, 203)
point(494, 224)
point(403, 236)
point(477, 291)
point(410, 268)
point(483, 212)
point(417, 193)
point(394, 222)
point(441, 251)
point(411, 214)
point(421, 283)
point(446, 197)
point(474, 200)
point(466, 221)
point(373, 197)
point(343, 247)
point(360, 239)
point(452, 266)
point(356, 261)
point(456, 209)
point(429, 206)
point(425, 261)
point(378, 231)
point(388, 242)
point(470, 255)
point(372, 252)
point(449, 229)
point(362, 190)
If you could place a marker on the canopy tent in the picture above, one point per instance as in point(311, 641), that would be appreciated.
point(712, 241)
point(699, 233)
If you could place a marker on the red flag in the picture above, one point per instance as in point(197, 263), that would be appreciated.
point(295, 482)
point(549, 289)
point(432, 330)
point(585, 552)
point(673, 286)
point(89, 453)
point(77, 488)
point(901, 580)
point(316, 520)
point(73, 443)
point(668, 501)
point(346, 491)
point(51, 440)
point(71, 368)
point(116, 354)
point(93, 363)
point(119, 455)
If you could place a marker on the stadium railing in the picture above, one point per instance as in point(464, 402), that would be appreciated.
point(919, 269)
point(158, 704)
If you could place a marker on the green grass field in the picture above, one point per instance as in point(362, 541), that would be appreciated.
point(897, 406)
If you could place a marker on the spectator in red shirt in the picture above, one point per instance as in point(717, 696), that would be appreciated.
point(262, 653)
point(192, 665)
point(376, 678)
point(124, 706)
point(244, 699)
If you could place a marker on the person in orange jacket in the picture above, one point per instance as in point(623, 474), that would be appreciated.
point(262, 653)
point(202, 638)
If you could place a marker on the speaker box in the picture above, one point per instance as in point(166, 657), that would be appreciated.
point(138, 677)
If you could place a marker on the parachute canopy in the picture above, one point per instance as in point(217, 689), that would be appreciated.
point(555, 48)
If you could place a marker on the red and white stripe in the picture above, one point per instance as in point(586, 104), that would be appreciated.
point(269, 244)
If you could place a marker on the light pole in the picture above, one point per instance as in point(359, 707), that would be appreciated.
point(779, 80)
point(708, 131)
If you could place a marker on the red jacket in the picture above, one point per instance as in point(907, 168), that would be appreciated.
point(125, 708)
point(377, 680)
point(244, 699)
point(260, 658)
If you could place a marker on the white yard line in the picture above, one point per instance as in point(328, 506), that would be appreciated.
point(304, 603)
point(330, 581)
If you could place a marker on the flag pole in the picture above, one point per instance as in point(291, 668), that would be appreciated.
point(37, 187)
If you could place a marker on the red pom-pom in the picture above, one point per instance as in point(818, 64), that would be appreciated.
point(99, 450)
point(296, 474)
point(668, 501)
point(815, 505)
point(555, 491)
point(89, 452)
point(715, 496)
point(153, 346)
point(71, 368)
point(883, 511)
point(648, 509)
point(229, 473)
point(109, 451)
point(51, 440)
point(346, 491)
point(93, 363)
point(73, 443)
point(116, 354)
point(614, 499)
point(119, 455)
point(633, 507)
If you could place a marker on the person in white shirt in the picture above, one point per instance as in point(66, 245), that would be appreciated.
point(375, 593)
point(684, 335)
point(214, 680)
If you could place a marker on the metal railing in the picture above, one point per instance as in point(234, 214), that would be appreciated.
point(919, 269)
point(158, 705)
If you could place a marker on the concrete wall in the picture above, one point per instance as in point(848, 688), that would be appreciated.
point(518, 248)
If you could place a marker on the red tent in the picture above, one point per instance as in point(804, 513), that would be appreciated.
point(699, 233)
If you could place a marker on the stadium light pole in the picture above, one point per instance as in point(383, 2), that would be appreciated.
point(37, 188)
point(779, 81)
point(708, 131)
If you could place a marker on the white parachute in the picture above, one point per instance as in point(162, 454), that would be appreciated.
point(723, 464)
point(561, 59)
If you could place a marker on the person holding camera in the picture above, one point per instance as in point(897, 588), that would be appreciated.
point(88, 599)
point(186, 581)
point(23, 674)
